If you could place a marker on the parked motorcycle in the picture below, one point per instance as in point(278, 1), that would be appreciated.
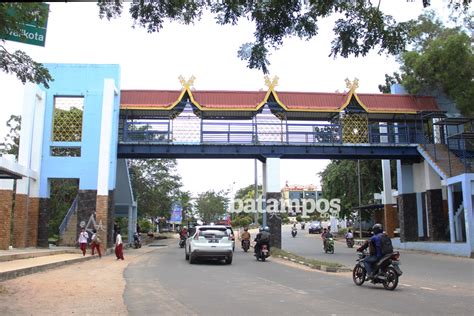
point(294, 231)
point(263, 253)
point(386, 270)
point(182, 242)
point(137, 243)
point(245, 244)
point(350, 242)
point(329, 245)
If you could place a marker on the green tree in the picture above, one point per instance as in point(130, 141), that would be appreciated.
point(340, 181)
point(12, 16)
point(360, 28)
point(441, 60)
point(62, 195)
point(211, 205)
point(361, 25)
point(156, 185)
point(11, 141)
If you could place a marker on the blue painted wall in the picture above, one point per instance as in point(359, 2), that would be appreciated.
point(85, 80)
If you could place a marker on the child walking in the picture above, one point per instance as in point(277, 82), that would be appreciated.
point(118, 246)
point(83, 236)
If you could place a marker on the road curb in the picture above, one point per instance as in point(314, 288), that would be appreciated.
point(8, 275)
point(316, 267)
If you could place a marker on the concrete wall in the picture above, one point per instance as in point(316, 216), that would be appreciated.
point(88, 81)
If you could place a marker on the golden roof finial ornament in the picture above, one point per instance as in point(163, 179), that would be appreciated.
point(271, 84)
point(187, 84)
point(352, 85)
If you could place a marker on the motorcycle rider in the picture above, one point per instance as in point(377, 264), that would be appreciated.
point(349, 235)
point(294, 230)
point(183, 234)
point(324, 236)
point(375, 249)
point(262, 238)
point(245, 236)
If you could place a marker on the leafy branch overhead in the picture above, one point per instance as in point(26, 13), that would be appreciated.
point(362, 26)
point(18, 62)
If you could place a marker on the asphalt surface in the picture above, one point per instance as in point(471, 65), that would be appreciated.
point(163, 282)
point(419, 269)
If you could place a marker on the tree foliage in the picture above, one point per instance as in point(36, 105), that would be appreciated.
point(340, 181)
point(441, 59)
point(360, 28)
point(211, 205)
point(156, 185)
point(12, 16)
point(62, 195)
point(11, 141)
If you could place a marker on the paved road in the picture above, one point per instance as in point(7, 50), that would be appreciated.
point(163, 282)
point(420, 269)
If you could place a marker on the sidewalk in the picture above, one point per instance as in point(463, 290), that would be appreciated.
point(19, 262)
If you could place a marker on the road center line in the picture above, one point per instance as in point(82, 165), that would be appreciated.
point(427, 288)
point(284, 286)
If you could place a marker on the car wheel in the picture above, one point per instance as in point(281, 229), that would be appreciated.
point(186, 255)
point(228, 260)
point(192, 260)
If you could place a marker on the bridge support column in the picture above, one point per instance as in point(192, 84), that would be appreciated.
point(407, 205)
point(390, 213)
point(272, 198)
point(6, 195)
point(436, 218)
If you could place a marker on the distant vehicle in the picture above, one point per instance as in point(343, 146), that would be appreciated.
point(315, 227)
point(211, 242)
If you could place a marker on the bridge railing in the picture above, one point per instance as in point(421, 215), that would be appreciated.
point(281, 132)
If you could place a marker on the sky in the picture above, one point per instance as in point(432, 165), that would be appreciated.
point(208, 51)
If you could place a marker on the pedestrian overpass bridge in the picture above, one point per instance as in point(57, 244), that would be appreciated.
point(84, 125)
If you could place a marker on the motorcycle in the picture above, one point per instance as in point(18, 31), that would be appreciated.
point(137, 243)
point(350, 242)
point(245, 244)
point(329, 245)
point(182, 242)
point(386, 270)
point(302, 226)
point(294, 232)
point(263, 253)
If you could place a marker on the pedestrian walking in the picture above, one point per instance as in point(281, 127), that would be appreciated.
point(83, 237)
point(95, 243)
point(118, 246)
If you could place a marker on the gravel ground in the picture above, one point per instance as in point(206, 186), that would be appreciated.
point(93, 287)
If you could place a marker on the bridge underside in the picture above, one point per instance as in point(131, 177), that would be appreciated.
point(261, 152)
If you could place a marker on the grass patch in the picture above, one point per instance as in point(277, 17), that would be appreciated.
point(314, 262)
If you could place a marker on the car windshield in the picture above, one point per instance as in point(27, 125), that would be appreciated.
point(315, 223)
point(213, 233)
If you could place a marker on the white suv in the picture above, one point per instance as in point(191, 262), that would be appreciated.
point(209, 241)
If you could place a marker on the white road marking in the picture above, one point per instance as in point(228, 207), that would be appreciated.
point(408, 285)
point(427, 288)
point(284, 286)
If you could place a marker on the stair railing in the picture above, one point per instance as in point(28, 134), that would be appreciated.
point(69, 213)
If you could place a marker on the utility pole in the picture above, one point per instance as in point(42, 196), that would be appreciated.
point(360, 199)
point(256, 190)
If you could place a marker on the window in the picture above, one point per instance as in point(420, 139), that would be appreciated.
point(67, 119)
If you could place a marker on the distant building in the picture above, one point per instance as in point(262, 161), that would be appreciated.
point(294, 197)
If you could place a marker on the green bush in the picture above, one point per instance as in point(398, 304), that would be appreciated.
point(145, 225)
point(298, 218)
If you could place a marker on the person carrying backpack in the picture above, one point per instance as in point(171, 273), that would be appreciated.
point(374, 244)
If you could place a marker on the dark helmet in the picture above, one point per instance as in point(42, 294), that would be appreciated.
point(377, 229)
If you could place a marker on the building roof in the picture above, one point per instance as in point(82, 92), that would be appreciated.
point(293, 103)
